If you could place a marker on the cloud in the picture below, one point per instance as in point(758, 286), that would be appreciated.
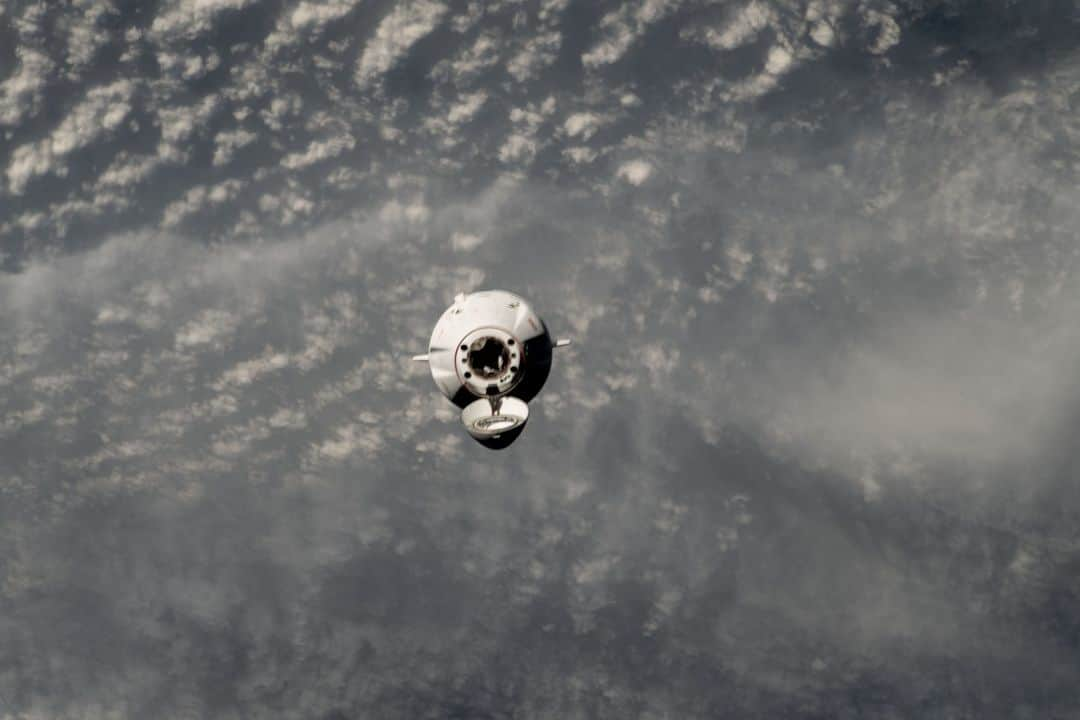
point(186, 19)
point(621, 28)
point(451, 123)
point(21, 93)
point(308, 14)
point(350, 440)
point(228, 142)
point(210, 326)
point(634, 172)
point(100, 113)
point(467, 108)
point(816, 419)
point(538, 53)
point(127, 171)
point(583, 124)
point(200, 198)
point(405, 25)
point(948, 387)
point(318, 151)
point(86, 32)
point(465, 242)
point(888, 31)
point(517, 148)
point(470, 62)
point(580, 154)
point(743, 26)
point(265, 385)
point(305, 20)
point(180, 124)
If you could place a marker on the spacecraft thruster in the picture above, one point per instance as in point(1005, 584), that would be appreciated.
point(490, 354)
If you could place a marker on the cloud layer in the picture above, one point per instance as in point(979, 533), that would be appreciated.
point(810, 455)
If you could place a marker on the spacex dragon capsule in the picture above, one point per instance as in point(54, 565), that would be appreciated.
point(490, 354)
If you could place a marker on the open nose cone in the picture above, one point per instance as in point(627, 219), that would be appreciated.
point(497, 429)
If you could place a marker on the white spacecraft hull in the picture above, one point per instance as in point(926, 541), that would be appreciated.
point(490, 354)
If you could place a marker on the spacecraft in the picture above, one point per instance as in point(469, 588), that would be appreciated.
point(490, 354)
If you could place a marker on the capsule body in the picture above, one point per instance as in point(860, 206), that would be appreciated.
point(490, 354)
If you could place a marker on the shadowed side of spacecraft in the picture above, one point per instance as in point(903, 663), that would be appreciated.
point(490, 354)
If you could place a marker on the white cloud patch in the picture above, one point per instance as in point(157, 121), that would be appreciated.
point(320, 150)
point(126, 171)
point(179, 124)
point(289, 206)
point(305, 19)
point(580, 154)
point(281, 108)
point(888, 31)
point(778, 60)
point(228, 142)
point(823, 33)
point(465, 242)
point(195, 67)
point(248, 371)
point(940, 386)
point(187, 19)
point(742, 27)
point(618, 34)
point(352, 439)
point(583, 125)
point(464, 111)
point(319, 14)
point(621, 28)
point(21, 94)
point(517, 148)
point(448, 124)
point(85, 35)
point(414, 212)
point(539, 52)
point(408, 22)
point(470, 62)
point(100, 113)
point(822, 17)
point(550, 10)
point(200, 198)
point(211, 327)
point(634, 172)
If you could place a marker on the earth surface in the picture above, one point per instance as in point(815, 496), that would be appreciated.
point(812, 453)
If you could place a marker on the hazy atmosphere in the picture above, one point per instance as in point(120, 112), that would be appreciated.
point(812, 453)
